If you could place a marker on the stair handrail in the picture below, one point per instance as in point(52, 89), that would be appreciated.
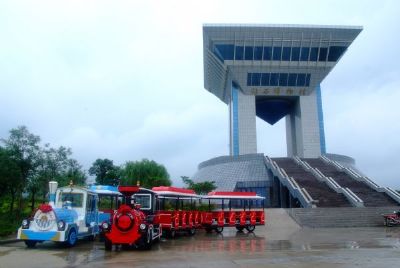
point(332, 184)
point(358, 177)
point(353, 198)
point(303, 196)
point(308, 196)
point(393, 194)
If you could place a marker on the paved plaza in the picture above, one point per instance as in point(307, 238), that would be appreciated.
point(279, 244)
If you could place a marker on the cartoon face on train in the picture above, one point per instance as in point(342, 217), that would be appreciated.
point(71, 214)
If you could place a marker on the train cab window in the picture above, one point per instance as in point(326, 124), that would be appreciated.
point(144, 200)
point(75, 200)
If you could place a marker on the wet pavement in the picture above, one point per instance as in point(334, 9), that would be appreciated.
point(267, 247)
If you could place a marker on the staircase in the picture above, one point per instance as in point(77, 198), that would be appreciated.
point(318, 190)
point(340, 217)
point(370, 197)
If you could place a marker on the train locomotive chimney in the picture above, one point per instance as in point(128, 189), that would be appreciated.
point(52, 192)
point(128, 191)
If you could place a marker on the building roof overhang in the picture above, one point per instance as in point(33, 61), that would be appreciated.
point(219, 73)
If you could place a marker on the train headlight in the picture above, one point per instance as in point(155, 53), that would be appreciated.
point(25, 224)
point(61, 225)
point(142, 226)
point(104, 225)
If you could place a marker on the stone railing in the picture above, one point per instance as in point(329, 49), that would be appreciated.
point(356, 176)
point(296, 191)
point(349, 194)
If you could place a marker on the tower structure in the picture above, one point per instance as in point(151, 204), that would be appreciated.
point(273, 71)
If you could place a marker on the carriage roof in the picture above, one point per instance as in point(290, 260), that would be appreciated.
point(169, 191)
point(233, 195)
point(105, 189)
point(74, 187)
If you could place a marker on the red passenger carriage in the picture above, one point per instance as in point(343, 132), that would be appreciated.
point(240, 213)
point(178, 211)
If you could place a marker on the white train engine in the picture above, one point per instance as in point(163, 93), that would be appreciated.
point(71, 214)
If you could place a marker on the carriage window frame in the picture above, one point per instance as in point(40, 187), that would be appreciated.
point(61, 202)
point(141, 205)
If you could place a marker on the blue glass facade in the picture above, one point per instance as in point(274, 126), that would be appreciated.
point(235, 120)
point(320, 120)
point(278, 53)
point(260, 187)
point(278, 79)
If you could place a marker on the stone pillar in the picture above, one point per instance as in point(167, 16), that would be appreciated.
point(243, 134)
point(303, 128)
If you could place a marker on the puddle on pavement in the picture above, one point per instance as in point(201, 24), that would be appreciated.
point(230, 243)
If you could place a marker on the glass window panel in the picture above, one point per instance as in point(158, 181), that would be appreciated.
point(248, 53)
point(277, 53)
point(295, 54)
point(283, 79)
point(323, 52)
point(274, 79)
point(305, 51)
point(255, 79)
point(239, 53)
point(301, 80)
point(267, 53)
point(265, 79)
point(335, 52)
point(74, 200)
point(286, 54)
point(226, 51)
point(313, 54)
point(258, 53)
point(249, 79)
point(292, 80)
point(144, 200)
point(308, 78)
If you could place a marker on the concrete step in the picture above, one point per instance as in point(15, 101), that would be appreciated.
point(340, 217)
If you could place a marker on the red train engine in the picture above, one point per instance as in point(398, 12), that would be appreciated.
point(133, 224)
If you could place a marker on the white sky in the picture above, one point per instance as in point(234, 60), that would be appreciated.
point(124, 79)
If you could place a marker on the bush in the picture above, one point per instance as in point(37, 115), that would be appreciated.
point(10, 223)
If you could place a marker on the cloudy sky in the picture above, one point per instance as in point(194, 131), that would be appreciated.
point(124, 79)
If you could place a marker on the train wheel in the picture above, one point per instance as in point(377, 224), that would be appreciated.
point(72, 238)
point(30, 243)
point(192, 231)
point(239, 228)
point(250, 228)
point(219, 229)
point(172, 233)
point(91, 237)
point(208, 229)
point(148, 240)
point(107, 244)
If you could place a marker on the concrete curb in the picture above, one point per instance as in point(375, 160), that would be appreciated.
point(8, 241)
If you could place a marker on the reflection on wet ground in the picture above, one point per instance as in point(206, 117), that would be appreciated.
point(330, 247)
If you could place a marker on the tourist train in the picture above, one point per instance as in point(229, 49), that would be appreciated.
point(133, 216)
point(71, 214)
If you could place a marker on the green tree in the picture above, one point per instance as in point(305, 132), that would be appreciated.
point(105, 171)
point(25, 150)
point(148, 172)
point(10, 177)
point(200, 187)
point(56, 164)
point(73, 172)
